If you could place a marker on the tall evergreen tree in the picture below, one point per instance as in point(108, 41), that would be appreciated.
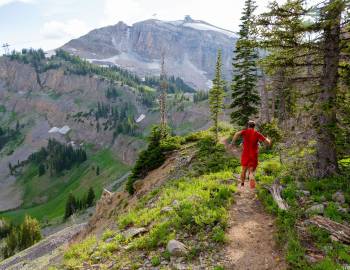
point(245, 97)
point(318, 62)
point(216, 95)
point(71, 206)
point(285, 42)
point(90, 197)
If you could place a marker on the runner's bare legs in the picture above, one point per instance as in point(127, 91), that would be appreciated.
point(251, 177)
point(243, 175)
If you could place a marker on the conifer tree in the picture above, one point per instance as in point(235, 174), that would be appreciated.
point(245, 97)
point(90, 197)
point(71, 206)
point(29, 233)
point(318, 62)
point(216, 95)
point(11, 243)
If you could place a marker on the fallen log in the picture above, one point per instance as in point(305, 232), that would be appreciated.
point(338, 230)
point(275, 190)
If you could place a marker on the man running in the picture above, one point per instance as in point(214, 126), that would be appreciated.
point(249, 158)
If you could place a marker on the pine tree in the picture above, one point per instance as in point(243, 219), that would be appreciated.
point(41, 169)
point(90, 197)
point(162, 98)
point(10, 168)
point(30, 233)
point(245, 97)
point(317, 59)
point(98, 170)
point(284, 40)
point(216, 95)
point(71, 206)
point(11, 243)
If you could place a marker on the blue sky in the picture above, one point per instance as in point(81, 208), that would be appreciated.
point(49, 24)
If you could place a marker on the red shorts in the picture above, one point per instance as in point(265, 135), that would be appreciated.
point(249, 160)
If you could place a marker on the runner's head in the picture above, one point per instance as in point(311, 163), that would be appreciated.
point(251, 124)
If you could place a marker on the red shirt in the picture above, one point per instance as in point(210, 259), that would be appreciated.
point(250, 147)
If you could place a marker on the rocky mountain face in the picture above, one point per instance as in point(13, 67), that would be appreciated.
point(190, 48)
point(42, 101)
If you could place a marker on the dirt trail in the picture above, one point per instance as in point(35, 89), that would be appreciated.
point(251, 243)
point(251, 235)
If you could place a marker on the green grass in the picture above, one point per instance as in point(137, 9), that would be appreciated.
point(55, 189)
point(202, 209)
point(336, 253)
point(199, 204)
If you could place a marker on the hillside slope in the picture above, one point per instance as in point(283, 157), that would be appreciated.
point(99, 107)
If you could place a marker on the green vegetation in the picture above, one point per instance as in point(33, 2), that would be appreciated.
point(200, 96)
point(245, 97)
point(74, 204)
point(57, 157)
point(201, 206)
point(7, 135)
point(216, 95)
point(45, 196)
point(197, 205)
point(75, 65)
point(153, 157)
point(21, 237)
point(173, 84)
point(336, 254)
point(120, 118)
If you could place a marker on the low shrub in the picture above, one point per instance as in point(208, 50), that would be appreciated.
point(218, 234)
point(271, 167)
point(155, 261)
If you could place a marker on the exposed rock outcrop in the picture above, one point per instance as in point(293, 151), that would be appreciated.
point(46, 250)
point(190, 46)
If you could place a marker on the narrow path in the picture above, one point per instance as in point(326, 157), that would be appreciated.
point(251, 235)
point(251, 243)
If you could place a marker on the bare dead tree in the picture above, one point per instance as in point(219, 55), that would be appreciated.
point(162, 98)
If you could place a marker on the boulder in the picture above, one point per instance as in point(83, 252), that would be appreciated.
point(317, 209)
point(175, 203)
point(339, 197)
point(166, 209)
point(176, 248)
point(132, 232)
point(305, 192)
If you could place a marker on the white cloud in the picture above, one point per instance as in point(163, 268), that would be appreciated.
point(63, 30)
point(6, 2)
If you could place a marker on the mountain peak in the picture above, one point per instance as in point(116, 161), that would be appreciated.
point(188, 19)
point(191, 47)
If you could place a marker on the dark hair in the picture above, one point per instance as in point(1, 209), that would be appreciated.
point(251, 124)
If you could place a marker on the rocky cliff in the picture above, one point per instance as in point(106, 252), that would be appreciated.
point(190, 47)
point(40, 101)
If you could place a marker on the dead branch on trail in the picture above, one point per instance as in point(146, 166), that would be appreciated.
point(275, 190)
point(338, 230)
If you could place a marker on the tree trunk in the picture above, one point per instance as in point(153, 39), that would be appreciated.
point(275, 190)
point(339, 231)
point(264, 97)
point(327, 163)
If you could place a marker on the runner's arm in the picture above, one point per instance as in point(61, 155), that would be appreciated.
point(268, 141)
point(235, 137)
